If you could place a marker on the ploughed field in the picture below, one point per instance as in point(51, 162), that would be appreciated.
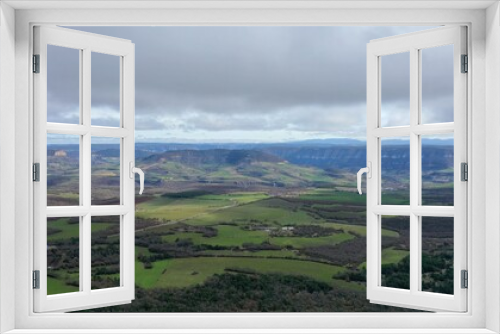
point(250, 233)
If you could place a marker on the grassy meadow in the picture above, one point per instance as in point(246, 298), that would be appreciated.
point(238, 221)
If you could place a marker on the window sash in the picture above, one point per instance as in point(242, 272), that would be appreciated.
point(86, 297)
point(412, 43)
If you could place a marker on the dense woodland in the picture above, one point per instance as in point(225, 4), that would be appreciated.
point(252, 292)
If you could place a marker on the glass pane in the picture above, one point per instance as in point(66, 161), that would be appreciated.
point(395, 171)
point(105, 171)
point(437, 170)
point(63, 170)
point(395, 89)
point(105, 90)
point(105, 252)
point(63, 85)
point(395, 252)
point(437, 254)
point(437, 84)
point(63, 255)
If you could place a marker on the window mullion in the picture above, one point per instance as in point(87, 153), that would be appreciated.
point(81, 230)
point(434, 129)
point(109, 210)
point(414, 168)
point(86, 161)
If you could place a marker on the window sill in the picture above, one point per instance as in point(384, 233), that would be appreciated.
point(252, 331)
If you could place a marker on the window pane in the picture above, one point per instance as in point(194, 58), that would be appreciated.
point(63, 255)
point(105, 90)
point(105, 252)
point(395, 94)
point(396, 252)
point(437, 84)
point(63, 85)
point(395, 171)
point(437, 170)
point(63, 170)
point(106, 171)
point(437, 254)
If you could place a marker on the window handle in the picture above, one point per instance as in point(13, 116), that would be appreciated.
point(134, 170)
point(368, 171)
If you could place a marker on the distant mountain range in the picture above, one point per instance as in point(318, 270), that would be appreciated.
point(323, 153)
point(162, 147)
point(216, 157)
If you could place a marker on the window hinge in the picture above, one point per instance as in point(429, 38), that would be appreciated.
point(36, 63)
point(464, 170)
point(465, 64)
point(36, 279)
point(465, 279)
point(36, 172)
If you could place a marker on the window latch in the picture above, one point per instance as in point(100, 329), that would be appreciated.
point(368, 171)
point(133, 170)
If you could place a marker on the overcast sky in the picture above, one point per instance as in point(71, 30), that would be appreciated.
point(252, 84)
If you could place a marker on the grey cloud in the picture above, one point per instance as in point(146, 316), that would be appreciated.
point(199, 121)
point(438, 110)
point(148, 123)
point(61, 111)
point(105, 121)
point(332, 119)
point(105, 80)
point(236, 72)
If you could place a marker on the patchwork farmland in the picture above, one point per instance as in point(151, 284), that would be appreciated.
point(239, 231)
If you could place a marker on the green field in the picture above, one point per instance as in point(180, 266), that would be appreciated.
point(244, 211)
point(67, 230)
point(169, 208)
point(178, 209)
point(302, 242)
point(56, 286)
point(227, 236)
point(282, 253)
point(188, 237)
point(256, 212)
point(190, 271)
point(235, 236)
point(391, 255)
point(339, 197)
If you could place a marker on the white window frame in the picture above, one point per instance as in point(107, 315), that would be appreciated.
point(484, 121)
point(123, 50)
point(413, 44)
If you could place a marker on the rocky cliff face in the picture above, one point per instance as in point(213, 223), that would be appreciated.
point(394, 157)
point(213, 157)
point(339, 157)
